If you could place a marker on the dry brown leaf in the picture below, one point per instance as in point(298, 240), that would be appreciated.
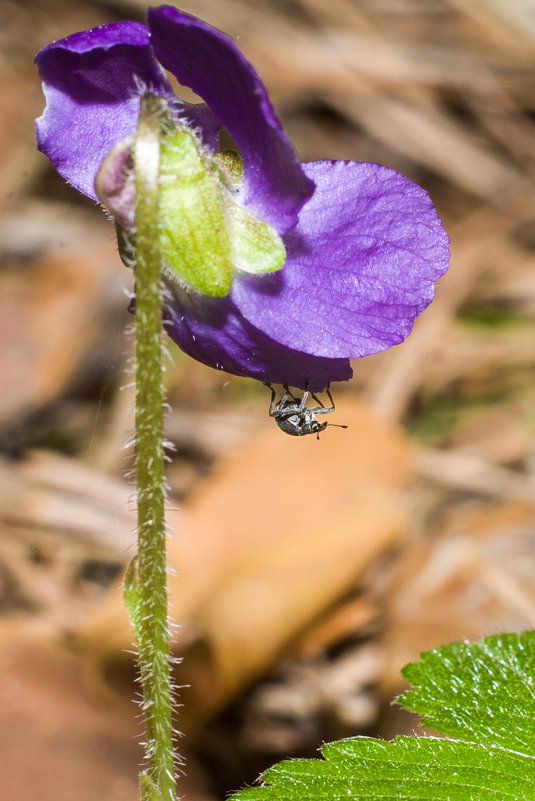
point(56, 516)
point(52, 318)
point(61, 738)
point(471, 578)
point(280, 533)
point(469, 472)
point(347, 621)
point(65, 734)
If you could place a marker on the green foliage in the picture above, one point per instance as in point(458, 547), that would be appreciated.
point(488, 319)
point(482, 691)
point(445, 415)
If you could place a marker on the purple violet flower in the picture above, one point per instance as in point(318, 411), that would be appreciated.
point(364, 245)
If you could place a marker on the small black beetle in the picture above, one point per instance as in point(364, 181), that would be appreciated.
point(294, 417)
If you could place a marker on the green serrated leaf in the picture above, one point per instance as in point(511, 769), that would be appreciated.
point(362, 768)
point(482, 691)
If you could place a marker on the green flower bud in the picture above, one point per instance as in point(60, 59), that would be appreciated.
point(205, 235)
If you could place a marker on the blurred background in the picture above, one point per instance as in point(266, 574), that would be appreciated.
point(306, 573)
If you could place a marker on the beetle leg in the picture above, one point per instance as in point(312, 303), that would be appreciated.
point(273, 396)
point(317, 400)
point(290, 393)
point(328, 391)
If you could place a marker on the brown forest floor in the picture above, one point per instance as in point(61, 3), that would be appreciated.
point(308, 572)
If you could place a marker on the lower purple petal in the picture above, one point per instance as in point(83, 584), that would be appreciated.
point(215, 333)
point(361, 265)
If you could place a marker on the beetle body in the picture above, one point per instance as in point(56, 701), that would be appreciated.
point(299, 423)
point(294, 417)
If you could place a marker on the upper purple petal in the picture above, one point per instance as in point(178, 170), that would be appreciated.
point(215, 333)
point(361, 265)
point(92, 82)
point(207, 61)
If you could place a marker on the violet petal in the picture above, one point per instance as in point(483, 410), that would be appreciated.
point(207, 61)
point(361, 265)
point(215, 333)
point(92, 82)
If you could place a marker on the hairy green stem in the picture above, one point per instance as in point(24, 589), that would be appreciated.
point(148, 589)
